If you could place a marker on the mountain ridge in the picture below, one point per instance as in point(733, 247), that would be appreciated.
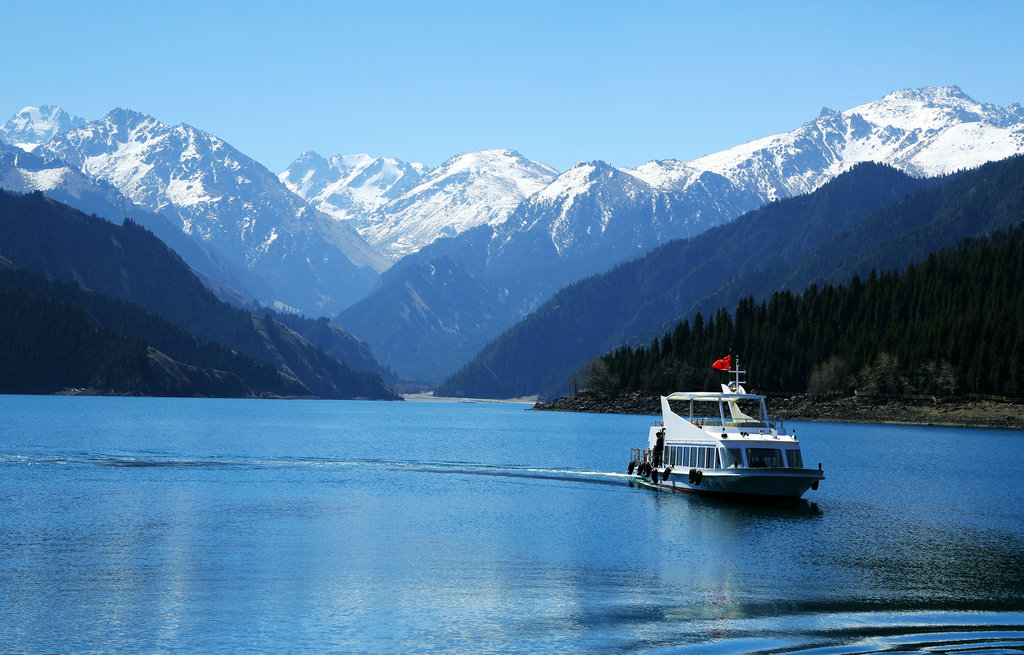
point(635, 300)
point(415, 206)
point(228, 202)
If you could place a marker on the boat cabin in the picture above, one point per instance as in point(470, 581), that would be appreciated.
point(719, 431)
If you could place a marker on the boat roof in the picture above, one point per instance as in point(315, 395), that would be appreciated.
point(712, 396)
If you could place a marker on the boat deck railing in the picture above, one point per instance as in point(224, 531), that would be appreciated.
point(716, 421)
point(637, 455)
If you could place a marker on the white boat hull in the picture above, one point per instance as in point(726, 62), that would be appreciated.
point(767, 484)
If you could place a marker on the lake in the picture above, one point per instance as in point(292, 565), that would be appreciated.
point(199, 525)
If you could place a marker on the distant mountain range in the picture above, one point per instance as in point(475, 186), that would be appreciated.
point(594, 216)
point(485, 238)
point(400, 208)
point(873, 217)
point(228, 201)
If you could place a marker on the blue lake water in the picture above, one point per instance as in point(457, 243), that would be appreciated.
point(196, 525)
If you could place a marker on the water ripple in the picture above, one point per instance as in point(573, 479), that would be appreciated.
point(864, 634)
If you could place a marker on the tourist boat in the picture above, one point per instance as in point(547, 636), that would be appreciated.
point(724, 445)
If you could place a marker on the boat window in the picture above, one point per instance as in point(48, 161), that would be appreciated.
point(686, 456)
point(794, 460)
point(764, 457)
point(746, 413)
point(733, 458)
point(718, 458)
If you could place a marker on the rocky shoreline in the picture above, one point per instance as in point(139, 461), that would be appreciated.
point(972, 411)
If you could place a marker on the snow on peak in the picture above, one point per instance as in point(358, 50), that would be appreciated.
point(926, 109)
point(33, 126)
point(154, 164)
point(468, 190)
point(667, 174)
point(225, 199)
point(401, 207)
point(351, 161)
point(498, 166)
point(348, 187)
point(926, 131)
point(575, 181)
point(580, 179)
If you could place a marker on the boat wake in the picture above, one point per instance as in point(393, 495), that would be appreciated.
point(564, 475)
point(869, 633)
point(156, 460)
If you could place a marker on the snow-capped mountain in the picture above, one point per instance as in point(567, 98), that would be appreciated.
point(472, 189)
point(33, 126)
point(594, 216)
point(927, 132)
point(599, 215)
point(348, 187)
point(400, 207)
point(227, 201)
point(520, 229)
point(24, 172)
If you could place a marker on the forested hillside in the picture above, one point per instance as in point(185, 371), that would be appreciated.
point(974, 203)
point(164, 304)
point(954, 323)
point(50, 341)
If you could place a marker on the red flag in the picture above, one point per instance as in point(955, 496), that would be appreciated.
point(723, 364)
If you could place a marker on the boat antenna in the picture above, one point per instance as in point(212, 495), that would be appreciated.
point(736, 373)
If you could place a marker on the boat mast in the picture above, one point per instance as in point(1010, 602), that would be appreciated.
point(736, 373)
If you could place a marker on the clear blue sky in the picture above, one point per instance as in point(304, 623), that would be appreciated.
point(561, 82)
